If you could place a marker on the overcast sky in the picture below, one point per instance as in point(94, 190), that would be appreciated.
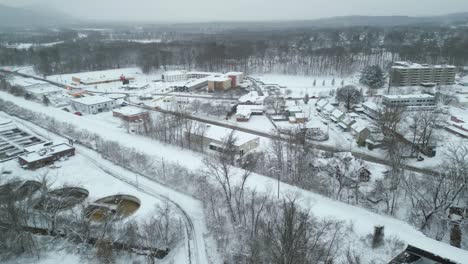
point(229, 10)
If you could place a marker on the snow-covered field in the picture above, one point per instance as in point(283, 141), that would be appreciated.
point(301, 85)
point(362, 219)
point(31, 45)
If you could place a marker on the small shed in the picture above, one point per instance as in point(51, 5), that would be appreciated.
point(41, 155)
point(130, 114)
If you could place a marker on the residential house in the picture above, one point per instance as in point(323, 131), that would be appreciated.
point(243, 112)
point(337, 115)
point(327, 110)
point(370, 109)
point(360, 132)
point(320, 104)
point(346, 122)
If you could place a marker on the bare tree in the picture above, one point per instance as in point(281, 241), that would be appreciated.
point(349, 95)
point(275, 103)
point(221, 167)
point(432, 195)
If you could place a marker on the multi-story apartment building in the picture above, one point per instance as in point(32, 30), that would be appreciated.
point(413, 74)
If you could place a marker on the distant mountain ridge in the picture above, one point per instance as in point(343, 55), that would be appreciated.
point(12, 17)
point(43, 16)
point(390, 20)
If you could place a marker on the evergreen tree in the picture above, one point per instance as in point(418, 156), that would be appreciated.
point(373, 77)
point(306, 98)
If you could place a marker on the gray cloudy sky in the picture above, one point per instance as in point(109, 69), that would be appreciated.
point(215, 10)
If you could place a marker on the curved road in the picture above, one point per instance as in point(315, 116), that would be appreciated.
point(193, 236)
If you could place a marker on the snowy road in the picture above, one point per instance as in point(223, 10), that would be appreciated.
point(191, 210)
point(362, 219)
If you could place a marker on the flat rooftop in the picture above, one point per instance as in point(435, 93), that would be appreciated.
point(92, 100)
point(234, 73)
point(43, 89)
point(411, 65)
point(174, 73)
point(130, 111)
point(45, 152)
point(409, 96)
point(221, 133)
point(218, 79)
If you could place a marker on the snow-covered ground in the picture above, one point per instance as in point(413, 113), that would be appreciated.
point(301, 85)
point(362, 219)
point(88, 170)
point(31, 45)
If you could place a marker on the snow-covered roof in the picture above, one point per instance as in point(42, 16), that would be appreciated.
point(299, 115)
point(221, 133)
point(347, 121)
point(250, 108)
point(252, 97)
point(337, 113)
point(328, 108)
point(45, 152)
point(316, 124)
point(409, 96)
point(370, 105)
point(24, 82)
point(92, 100)
point(194, 82)
point(321, 103)
point(5, 121)
point(203, 73)
point(294, 109)
point(43, 89)
point(174, 73)
point(136, 85)
point(129, 111)
point(234, 73)
point(411, 65)
point(218, 79)
point(358, 127)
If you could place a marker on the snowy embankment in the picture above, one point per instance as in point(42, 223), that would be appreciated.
point(102, 178)
point(363, 220)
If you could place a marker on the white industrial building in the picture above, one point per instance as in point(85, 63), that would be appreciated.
point(174, 76)
point(93, 104)
point(213, 138)
point(410, 101)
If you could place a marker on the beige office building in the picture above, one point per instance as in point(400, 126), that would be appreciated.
point(413, 74)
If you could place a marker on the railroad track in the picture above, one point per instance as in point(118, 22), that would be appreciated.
point(357, 154)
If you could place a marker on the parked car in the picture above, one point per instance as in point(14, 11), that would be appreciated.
point(420, 158)
point(65, 109)
point(78, 113)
